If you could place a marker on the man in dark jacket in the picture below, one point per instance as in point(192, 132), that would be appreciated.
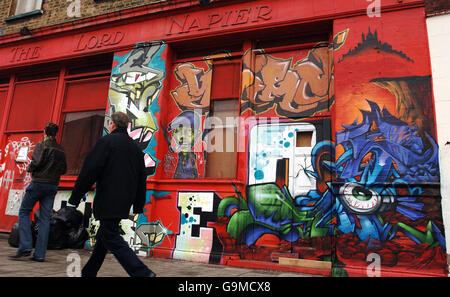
point(48, 163)
point(116, 165)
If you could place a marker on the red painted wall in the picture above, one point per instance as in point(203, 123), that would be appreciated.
point(362, 193)
point(385, 65)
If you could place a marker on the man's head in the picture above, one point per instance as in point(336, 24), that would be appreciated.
point(118, 120)
point(51, 129)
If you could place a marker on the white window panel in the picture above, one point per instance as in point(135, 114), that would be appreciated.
point(24, 6)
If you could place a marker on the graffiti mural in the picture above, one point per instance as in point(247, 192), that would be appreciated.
point(136, 83)
point(370, 191)
point(339, 186)
point(195, 240)
point(270, 207)
point(383, 156)
point(138, 231)
point(186, 130)
point(195, 86)
point(295, 90)
point(371, 200)
point(185, 133)
point(387, 166)
point(14, 178)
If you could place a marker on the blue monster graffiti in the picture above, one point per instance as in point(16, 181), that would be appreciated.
point(381, 155)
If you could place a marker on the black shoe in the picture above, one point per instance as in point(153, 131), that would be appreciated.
point(20, 254)
point(151, 274)
point(36, 259)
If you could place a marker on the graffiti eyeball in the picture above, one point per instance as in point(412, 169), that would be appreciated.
point(362, 200)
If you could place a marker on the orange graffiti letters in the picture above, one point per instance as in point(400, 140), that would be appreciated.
point(302, 89)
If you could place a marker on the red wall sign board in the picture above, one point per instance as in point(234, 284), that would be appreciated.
point(320, 148)
point(195, 23)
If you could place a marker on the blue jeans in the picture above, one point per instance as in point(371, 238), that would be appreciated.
point(45, 195)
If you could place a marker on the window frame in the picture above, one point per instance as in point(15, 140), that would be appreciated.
point(71, 80)
point(15, 3)
point(225, 128)
point(53, 102)
point(221, 57)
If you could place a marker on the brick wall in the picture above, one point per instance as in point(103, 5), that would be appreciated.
point(56, 12)
point(433, 7)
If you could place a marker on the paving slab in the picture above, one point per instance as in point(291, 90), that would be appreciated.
point(59, 263)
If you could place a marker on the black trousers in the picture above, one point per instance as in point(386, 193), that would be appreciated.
point(108, 238)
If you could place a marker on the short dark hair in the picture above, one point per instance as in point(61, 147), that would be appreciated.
point(51, 129)
point(120, 119)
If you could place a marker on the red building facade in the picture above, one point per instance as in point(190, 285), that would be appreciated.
point(272, 130)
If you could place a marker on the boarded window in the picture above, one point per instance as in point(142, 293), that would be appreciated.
point(225, 80)
point(222, 121)
point(222, 139)
point(86, 94)
point(304, 138)
point(32, 105)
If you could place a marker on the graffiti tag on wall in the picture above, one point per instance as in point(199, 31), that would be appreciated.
point(195, 240)
point(195, 88)
point(13, 171)
point(296, 90)
point(134, 89)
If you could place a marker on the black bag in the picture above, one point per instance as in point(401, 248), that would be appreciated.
point(77, 237)
point(70, 217)
point(66, 229)
point(57, 237)
point(13, 239)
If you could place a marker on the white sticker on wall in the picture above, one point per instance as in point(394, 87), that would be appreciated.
point(14, 200)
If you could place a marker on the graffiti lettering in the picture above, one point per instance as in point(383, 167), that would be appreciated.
point(374, 9)
point(151, 234)
point(194, 91)
point(195, 211)
point(303, 89)
point(7, 179)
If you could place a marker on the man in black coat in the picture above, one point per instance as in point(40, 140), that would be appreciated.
point(116, 165)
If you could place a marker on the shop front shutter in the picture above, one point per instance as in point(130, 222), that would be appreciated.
point(32, 105)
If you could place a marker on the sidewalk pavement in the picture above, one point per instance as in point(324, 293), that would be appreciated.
point(59, 263)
